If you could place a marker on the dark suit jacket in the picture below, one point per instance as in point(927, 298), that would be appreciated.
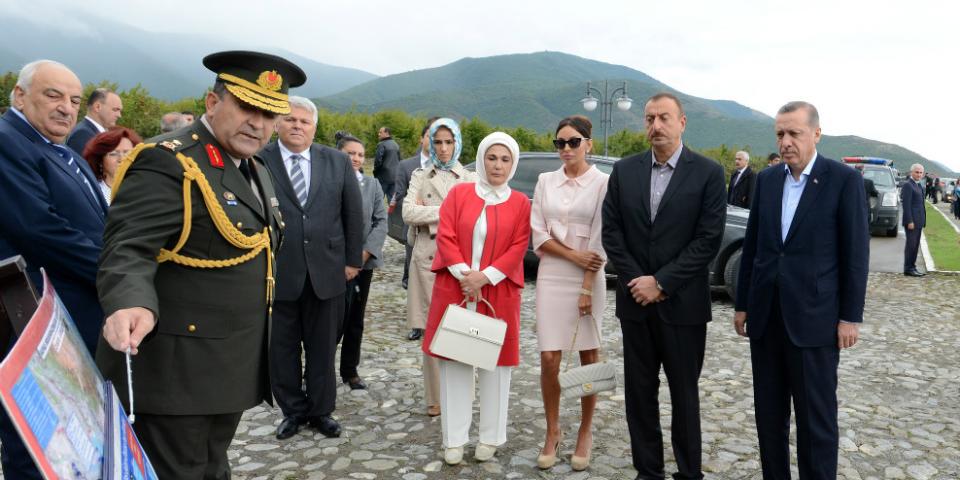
point(741, 194)
point(677, 248)
point(325, 235)
point(386, 160)
point(404, 172)
point(52, 219)
point(81, 134)
point(208, 352)
point(914, 211)
point(820, 271)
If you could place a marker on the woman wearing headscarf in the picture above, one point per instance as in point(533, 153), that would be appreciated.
point(481, 241)
point(374, 234)
point(571, 291)
point(421, 211)
point(104, 152)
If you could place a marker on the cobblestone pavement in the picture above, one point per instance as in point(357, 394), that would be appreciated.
point(899, 401)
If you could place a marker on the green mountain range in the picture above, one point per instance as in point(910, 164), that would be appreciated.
point(535, 90)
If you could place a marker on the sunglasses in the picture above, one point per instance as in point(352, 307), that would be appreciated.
point(573, 142)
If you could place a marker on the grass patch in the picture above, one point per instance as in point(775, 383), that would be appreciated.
point(943, 240)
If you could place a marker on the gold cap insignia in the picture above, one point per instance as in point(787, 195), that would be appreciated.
point(229, 196)
point(271, 80)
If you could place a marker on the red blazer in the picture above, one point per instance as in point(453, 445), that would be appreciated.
point(508, 233)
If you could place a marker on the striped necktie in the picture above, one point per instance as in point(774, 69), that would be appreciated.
point(74, 166)
point(297, 178)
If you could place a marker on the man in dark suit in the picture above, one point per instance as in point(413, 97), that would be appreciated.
point(197, 275)
point(914, 219)
point(742, 181)
point(663, 220)
point(54, 216)
point(386, 161)
point(803, 277)
point(104, 108)
point(404, 172)
point(323, 209)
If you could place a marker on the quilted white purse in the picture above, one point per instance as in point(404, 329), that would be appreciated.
point(590, 379)
point(469, 337)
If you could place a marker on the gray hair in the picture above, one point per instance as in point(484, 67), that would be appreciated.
point(813, 116)
point(915, 165)
point(306, 104)
point(172, 121)
point(745, 154)
point(25, 78)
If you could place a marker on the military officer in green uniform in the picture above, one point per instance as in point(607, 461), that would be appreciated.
point(187, 272)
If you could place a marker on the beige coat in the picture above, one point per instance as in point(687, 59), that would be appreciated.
point(429, 186)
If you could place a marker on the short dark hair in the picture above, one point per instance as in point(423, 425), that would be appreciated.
point(187, 112)
point(219, 88)
point(773, 156)
point(97, 95)
point(427, 126)
point(581, 124)
point(662, 95)
point(342, 138)
point(813, 116)
point(385, 130)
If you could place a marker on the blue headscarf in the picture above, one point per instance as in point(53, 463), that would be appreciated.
point(457, 140)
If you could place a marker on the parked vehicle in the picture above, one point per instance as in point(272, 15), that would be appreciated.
point(723, 269)
point(885, 210)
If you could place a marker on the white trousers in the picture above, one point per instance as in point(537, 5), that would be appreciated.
point(456, 403)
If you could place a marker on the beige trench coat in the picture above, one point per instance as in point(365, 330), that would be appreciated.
point(430, 186)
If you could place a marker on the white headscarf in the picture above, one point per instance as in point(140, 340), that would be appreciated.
point(499, 194)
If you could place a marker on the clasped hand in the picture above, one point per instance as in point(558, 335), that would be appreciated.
point(644, 290)
point(472, 282)
point(586, 259)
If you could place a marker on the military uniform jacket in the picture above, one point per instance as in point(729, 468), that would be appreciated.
point(208, 351)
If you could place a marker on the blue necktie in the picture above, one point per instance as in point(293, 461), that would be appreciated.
point(73, 165)
point(298, 180)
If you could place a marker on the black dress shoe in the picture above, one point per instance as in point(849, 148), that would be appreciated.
point(415, 334)
point(326, 425)
point(289, 427)
point(356, 383)
point(914, 273)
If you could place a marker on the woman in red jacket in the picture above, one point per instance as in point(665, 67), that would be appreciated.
point(481, 240)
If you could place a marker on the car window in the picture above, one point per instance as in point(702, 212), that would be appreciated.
point(880, 177)
point(529, 170)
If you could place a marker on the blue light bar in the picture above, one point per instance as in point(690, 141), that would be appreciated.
point(868, 160)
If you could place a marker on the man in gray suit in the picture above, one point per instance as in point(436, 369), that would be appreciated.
point(322, 208)
point(407, 166)
point(386, 161)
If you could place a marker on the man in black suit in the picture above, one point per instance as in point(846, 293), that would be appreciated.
point(742, 181)
point(323, 211)
point(914, 219)
point(104, 108)
point(386, 161)
point(663, 220)
point(404, 172)
point(803, 277)
point(55, 214)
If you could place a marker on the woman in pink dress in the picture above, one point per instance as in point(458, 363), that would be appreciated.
point(565, 226)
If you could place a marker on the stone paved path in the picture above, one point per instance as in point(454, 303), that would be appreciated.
point(899, 401)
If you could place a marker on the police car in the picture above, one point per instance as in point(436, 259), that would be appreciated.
point(885, 205)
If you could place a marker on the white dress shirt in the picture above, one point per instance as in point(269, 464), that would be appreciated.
point(286, 153)
point(792, 191)
point(96, 125)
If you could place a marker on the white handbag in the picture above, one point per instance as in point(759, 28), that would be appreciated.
point(469, 337)
point(587, 380)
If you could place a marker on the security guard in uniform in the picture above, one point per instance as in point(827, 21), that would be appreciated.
point(187, 271)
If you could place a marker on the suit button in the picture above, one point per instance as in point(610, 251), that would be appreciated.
point(191, 328)
point(306, 241)
point(431, 257)
point(239, 224)
point(304, 217)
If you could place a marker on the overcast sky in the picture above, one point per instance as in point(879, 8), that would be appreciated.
point(885, 70)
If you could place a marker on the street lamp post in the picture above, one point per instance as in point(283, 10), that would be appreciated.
point(606, 103)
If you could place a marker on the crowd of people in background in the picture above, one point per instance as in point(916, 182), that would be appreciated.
point(286, 235)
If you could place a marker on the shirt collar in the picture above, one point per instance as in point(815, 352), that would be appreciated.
point(806, 171)
point(359, 176)
point(425, 160)
point(24, 118)
point(672, 161)
point(584, 179)
point(95, 124)
point(285, 152)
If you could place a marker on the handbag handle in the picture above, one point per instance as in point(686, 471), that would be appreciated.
point(573, 342)
point(484, 300)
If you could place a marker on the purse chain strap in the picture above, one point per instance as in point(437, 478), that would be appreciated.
point(573, 343)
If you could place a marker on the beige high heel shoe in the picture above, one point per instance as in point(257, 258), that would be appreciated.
point(580, 464)
point(548, 461)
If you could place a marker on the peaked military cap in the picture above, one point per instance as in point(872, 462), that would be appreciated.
point(255, 78)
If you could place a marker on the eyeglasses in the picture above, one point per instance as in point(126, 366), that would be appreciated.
point(573, 142)
point(117, 153)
